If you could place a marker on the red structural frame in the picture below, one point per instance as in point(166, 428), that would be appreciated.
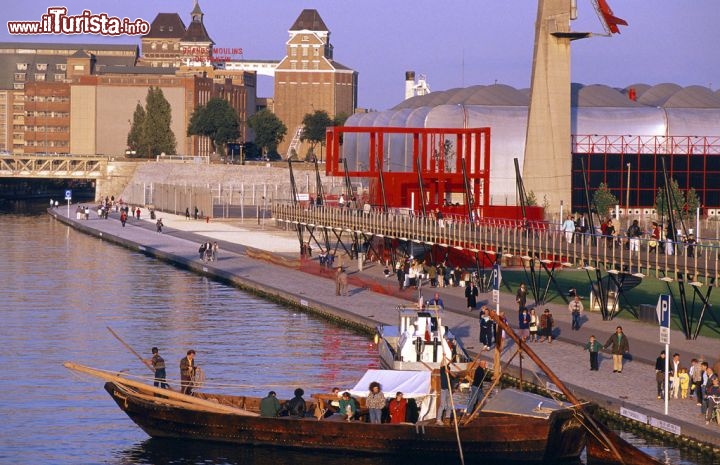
point(471, 146)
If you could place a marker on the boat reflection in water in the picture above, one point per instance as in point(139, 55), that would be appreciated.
point(177, 452)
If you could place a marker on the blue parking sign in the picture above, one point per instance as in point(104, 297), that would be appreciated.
point(663, 310)
point(68, 194)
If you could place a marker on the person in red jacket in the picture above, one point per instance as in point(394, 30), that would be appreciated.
point(397, 408)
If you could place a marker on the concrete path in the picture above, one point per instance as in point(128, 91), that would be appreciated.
point(634, 389)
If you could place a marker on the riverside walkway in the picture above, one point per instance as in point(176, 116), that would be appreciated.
point(373, 299)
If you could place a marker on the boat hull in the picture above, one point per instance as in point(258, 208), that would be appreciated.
point(489, 437)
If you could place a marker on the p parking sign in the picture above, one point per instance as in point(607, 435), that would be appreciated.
point(68, 194)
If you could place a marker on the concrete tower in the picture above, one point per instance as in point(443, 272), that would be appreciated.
point(547, 162)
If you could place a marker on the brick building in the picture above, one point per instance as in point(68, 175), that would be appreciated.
point(309, 79)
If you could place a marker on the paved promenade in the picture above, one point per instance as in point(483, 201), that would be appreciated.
point(633, 389)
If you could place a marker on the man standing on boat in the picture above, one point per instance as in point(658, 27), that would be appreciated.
point(445, 404)
point(158, 364)
point(187, 371)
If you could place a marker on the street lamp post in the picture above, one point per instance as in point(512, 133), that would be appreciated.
point(627, 197)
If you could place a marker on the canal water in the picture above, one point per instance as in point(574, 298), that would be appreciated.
point(60, 292)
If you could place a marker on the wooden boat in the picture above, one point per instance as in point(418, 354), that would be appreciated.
point(508, 426)
point(513, 427)
point(419, 341)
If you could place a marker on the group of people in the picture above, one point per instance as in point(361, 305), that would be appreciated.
point(342, 405)
point(209, 251)
point(188, 370)
point(699, 381)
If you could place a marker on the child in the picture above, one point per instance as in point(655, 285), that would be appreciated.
point(684, 382)
point(594, 347)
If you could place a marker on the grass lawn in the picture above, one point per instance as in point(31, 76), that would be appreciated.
point(646, 292)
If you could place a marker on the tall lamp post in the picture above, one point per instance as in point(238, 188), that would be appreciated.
point(627, 197)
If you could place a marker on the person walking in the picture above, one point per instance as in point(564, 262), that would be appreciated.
point(660, 375)
point(471, 295)
point(576, 310)
point(187, 371)
point(675, 368)
point(634, 234)
point(521, 297)
point(187, 213)
point(593, 346)
point(620, 347)
point(568, 229)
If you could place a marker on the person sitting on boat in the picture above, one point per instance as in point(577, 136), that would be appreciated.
point(437, 301)
point(397, 408)
point(270, 405)
point(187, 371)
point(348, 406)
point(296, 406)
point(375, 402)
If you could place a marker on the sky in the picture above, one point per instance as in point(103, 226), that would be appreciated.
point(455, 43)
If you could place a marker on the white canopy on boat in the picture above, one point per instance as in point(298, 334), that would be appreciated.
point(413, 384)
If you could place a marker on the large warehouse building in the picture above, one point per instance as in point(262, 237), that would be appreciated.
point(621, 133)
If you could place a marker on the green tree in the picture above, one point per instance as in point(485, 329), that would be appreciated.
point(340, 119)
point(269, 130)
point(216, 120)
point(684, 205)
point(314, 126)
point(604, 200)
point(157, 135)
point(135, 136)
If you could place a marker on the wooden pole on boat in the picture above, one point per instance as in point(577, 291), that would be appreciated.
point(454, 413)
point(609, 437)
point(127, 346)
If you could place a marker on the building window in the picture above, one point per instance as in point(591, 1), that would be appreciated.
point(153, 45)
point(170, 28)
point(39, 76)
point(305, 51)
point(61, 67)
point(305, 38)
point(304, 65)
point(19, 85)
point(41, 66)
point(316, 51)
point(162, 28)
point(19, 76)
point(293, 65)
point(79, 68)
point(22, 66)
point(164, 46)
point(293, 51)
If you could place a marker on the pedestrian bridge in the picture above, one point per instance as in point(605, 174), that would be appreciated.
point(53, 167)
point(540, 247)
